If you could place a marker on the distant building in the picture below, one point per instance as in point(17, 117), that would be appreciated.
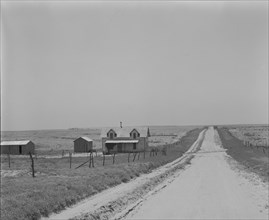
point(83, 144)
point(123, 140)
point(17, 147)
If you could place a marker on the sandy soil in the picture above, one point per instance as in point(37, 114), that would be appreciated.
point(213, 187)
point(101, 202)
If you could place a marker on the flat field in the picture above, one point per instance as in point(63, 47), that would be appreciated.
point(54, 142)
point(255, 159)
point(57, 186)
point(255, 134)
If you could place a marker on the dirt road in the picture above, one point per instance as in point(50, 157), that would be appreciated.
point(213, 187)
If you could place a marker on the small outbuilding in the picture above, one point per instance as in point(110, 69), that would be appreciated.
point(17, 147)
point(83, 145)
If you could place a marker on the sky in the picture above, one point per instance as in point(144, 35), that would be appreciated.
point(68, 64)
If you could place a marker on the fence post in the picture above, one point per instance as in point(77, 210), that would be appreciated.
point(9, 159)
point(104, 159)
point(128, 157)
point(138, 156)
point(144, 154)
point(70, 159)
point(114, 158)
point(92, 161)
point(134, 157)
point(63, 153)
point(32, 165)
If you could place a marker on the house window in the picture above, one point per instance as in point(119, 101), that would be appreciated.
point(134, 135)
point(111, 135)
point(134, 146)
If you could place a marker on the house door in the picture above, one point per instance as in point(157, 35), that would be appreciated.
point(20, 150)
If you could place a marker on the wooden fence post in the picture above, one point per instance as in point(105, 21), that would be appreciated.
point(114, 158)
point(9, 159)
point(104, 159)
point(92, 161)
point(138, 156)
point(70, 159)
point(128, 157)
point(134, 157)
point(144, 154)
point(32, 165)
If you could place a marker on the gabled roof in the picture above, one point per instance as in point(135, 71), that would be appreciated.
point(85, 138)
point(24, 142)
point(125, 131)
point(133, 130)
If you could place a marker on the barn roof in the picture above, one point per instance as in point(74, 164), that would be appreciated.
point(24, 142)
point(125, 131)
point(85, 138)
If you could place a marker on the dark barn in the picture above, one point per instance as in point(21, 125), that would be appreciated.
point(17, 147)
point(83, 144)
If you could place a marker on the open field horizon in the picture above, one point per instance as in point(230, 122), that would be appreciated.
point(150, 126)
point(56, 141)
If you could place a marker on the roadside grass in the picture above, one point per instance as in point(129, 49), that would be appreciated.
point(56, 186)
point(252, 158)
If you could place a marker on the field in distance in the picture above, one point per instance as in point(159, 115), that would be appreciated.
point(255, 134)
point(52, 142)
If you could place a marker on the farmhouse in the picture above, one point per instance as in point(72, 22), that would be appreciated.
point(17, 147)
point(83, 144)
point(123, 140)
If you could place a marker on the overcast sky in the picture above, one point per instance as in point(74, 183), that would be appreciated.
point(86, 64)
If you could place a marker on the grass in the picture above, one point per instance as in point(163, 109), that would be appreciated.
point(254, 159)
point(57, 186)
point(255, 134)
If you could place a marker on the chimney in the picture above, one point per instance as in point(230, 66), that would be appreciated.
point(120, 124)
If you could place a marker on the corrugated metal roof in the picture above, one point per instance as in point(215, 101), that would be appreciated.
point(125, 131)
point(121, 141)
point(85, 138)
point(24, 142)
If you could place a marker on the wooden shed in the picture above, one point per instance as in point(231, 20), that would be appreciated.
point(83, 144)
point(17, 147)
